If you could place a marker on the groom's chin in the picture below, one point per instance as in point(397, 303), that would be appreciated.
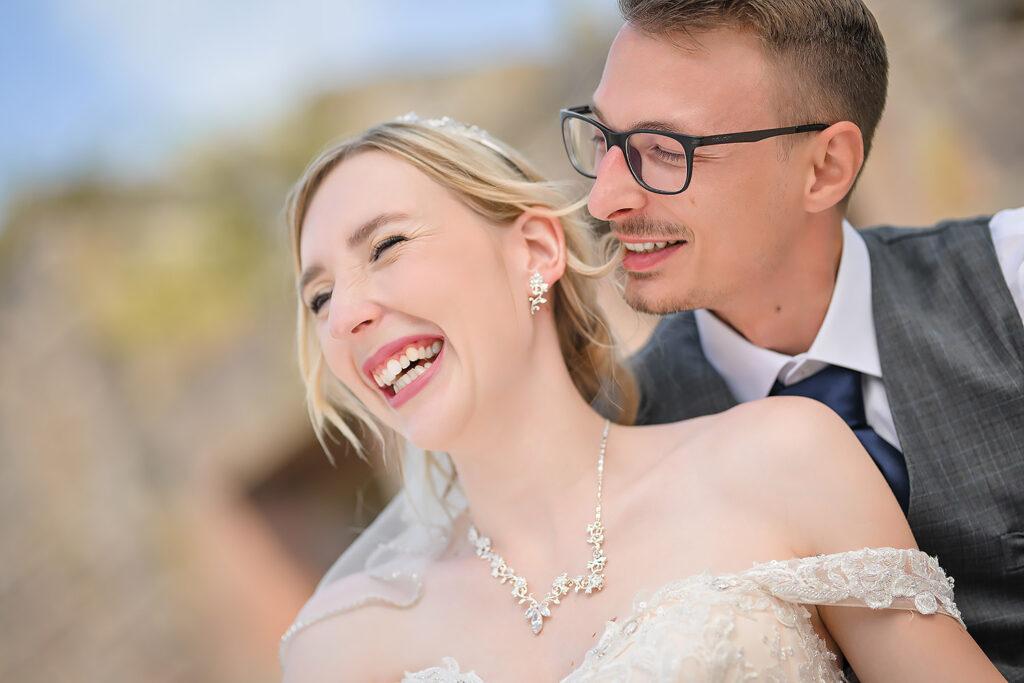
point(653, 303)
point(652, 293)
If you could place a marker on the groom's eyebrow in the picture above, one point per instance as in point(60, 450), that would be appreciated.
point(648, 124)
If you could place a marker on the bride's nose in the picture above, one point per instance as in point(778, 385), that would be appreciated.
point(351, 316)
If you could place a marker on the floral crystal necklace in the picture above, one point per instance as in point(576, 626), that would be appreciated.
point(537, 611)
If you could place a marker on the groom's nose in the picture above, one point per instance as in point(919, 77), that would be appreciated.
point(615, 193)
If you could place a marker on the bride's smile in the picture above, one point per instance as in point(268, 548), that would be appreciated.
point(401, 368)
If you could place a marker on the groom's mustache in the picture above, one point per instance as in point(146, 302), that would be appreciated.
point(641, 226)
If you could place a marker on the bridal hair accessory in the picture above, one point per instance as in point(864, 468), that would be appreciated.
point(442, 122)
point(536, 612)
point(475, 132)
point(538, 288)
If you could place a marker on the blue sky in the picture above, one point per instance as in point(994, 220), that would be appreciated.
point(114, 86)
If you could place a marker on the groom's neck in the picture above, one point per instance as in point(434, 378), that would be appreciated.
point(783, 309)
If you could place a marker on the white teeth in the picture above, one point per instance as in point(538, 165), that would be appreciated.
point(409, 378)
point(391, 373)
point(643, 247)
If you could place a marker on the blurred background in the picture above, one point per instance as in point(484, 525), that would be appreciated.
point(164, 507)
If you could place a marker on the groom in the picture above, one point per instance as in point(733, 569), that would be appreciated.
point(757, 117)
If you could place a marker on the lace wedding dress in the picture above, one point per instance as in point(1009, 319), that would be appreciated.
point(749, 625)
point(752, 624)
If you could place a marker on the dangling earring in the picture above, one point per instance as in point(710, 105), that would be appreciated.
point(537, 288)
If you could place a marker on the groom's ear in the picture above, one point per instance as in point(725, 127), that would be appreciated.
point(543, 241)
point(837, 155)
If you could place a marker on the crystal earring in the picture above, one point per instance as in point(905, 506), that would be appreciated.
point(537, 288)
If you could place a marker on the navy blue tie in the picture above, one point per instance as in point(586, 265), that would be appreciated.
point(840, 389)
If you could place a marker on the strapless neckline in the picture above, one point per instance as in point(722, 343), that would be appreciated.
point(724, 627)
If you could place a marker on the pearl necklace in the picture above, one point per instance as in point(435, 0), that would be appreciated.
point(536, 611)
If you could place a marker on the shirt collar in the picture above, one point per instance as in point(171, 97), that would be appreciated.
point(846, 337)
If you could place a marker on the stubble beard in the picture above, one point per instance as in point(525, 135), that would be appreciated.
point(666, 304)
point(642, 226)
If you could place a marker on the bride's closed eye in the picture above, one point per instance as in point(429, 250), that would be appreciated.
point(376, 251)
point(382, 246)
point(318, 301)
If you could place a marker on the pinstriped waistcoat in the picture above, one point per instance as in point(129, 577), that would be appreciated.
point(951, 344)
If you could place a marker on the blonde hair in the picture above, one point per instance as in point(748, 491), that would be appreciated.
point(499, 185)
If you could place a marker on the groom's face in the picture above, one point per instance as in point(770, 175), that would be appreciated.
point(742, 206)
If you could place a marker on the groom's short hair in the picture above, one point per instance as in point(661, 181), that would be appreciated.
point(830, 54)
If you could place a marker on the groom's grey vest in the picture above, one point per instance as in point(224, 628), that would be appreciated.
point(951, 343)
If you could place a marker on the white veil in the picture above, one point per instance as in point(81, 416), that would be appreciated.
point(385, 564)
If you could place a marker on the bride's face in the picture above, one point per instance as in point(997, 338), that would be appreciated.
point(413, 297)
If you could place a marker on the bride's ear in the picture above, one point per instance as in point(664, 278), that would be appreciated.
point(543, 240)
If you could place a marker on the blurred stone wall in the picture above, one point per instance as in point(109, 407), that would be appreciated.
point(950, 142)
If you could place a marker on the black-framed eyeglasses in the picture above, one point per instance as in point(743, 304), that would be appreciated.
point(660, 161)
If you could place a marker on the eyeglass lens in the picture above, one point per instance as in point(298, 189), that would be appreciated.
point(658, 160)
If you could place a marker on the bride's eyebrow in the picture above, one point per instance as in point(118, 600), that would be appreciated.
point(363, 232)
point(360, 235)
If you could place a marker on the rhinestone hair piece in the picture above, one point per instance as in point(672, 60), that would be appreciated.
point(471, 131)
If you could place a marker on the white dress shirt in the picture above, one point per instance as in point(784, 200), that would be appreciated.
point(847, 334)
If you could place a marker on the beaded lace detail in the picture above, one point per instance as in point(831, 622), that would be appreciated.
point(448, 672)
point(752, 624)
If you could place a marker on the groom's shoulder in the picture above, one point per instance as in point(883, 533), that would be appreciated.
point(951, 228)
point(913, 255)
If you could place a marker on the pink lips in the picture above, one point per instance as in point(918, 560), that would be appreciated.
point(392, 348)
point(639, 261)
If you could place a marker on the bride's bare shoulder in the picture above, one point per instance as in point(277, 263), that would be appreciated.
point(764, 432)
point(360, 628)
point(337, 635)
point(784, 431)
point(791, 459)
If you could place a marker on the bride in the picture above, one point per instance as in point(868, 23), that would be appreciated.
point(447, 298)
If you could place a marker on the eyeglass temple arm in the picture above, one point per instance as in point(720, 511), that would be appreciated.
point(757, 135)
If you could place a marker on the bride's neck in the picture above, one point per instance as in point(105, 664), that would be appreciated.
point(529, 471)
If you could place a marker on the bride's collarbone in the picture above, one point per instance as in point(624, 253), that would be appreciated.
point(469, 616)
point(675, 515)
point(474, 619)
point(493, 636)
